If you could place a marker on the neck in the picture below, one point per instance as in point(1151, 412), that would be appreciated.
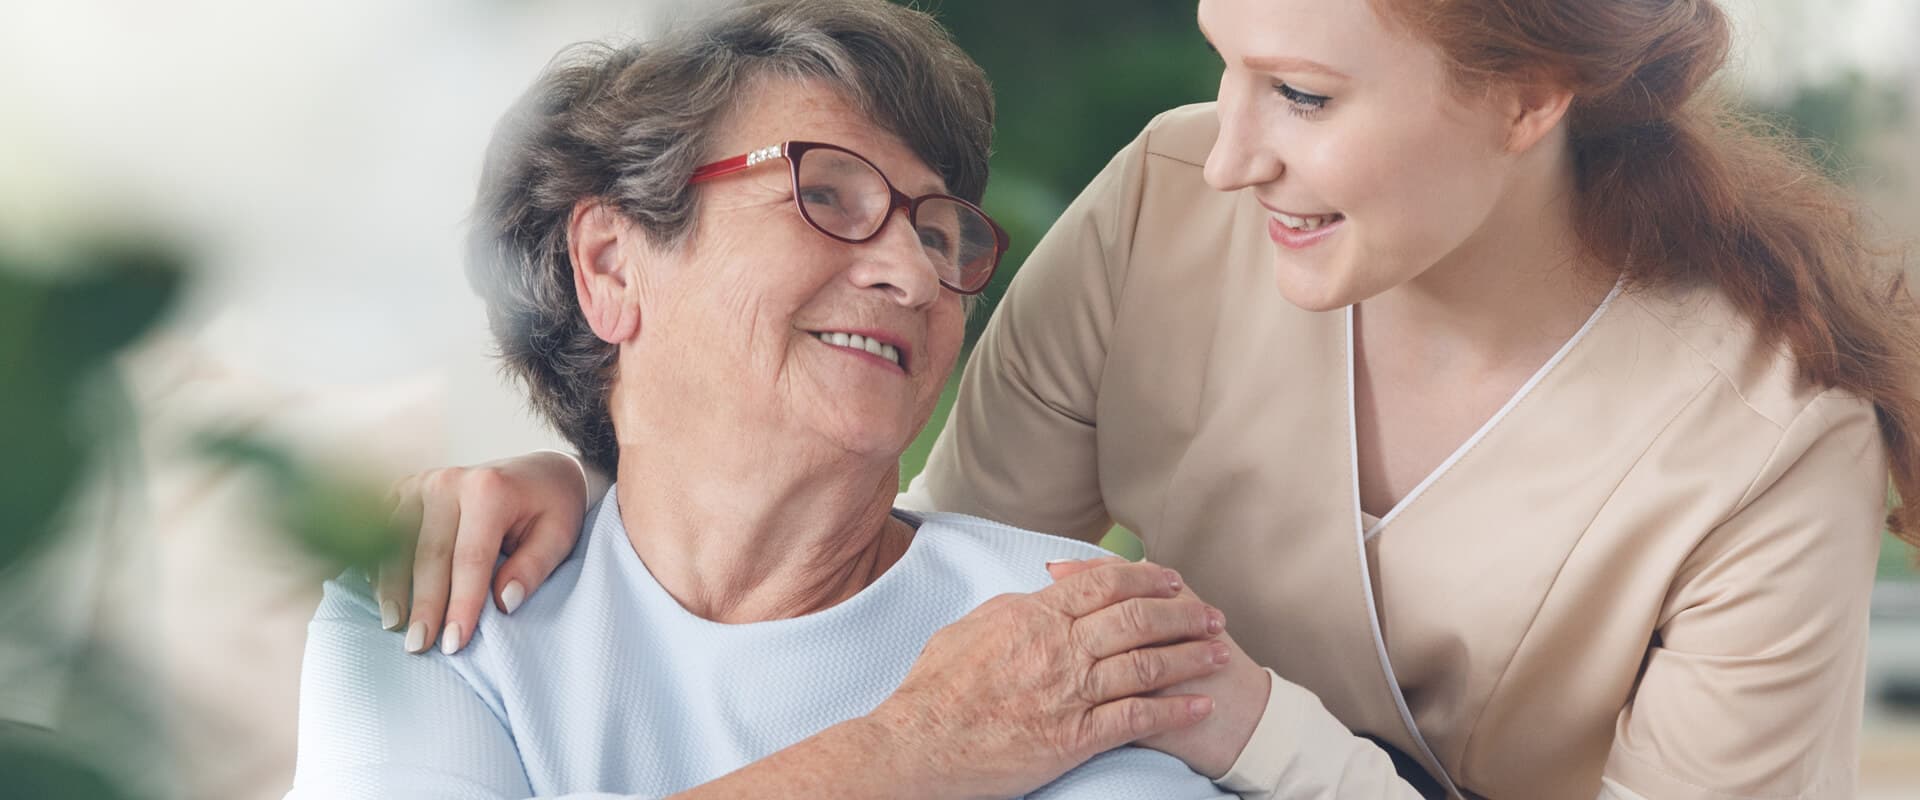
point(1513, 293)
point(745, 535)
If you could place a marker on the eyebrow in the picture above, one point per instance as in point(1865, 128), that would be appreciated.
point(1277, 63)
point(1284, 64)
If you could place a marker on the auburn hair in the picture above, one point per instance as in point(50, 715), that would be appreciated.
point(1665, 164)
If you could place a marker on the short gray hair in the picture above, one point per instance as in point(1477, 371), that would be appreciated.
point(629, 124)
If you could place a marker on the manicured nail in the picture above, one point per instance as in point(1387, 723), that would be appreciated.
point(1173, 580)
point(389, 615)
point(1221, 654)
point(416, 637)
point(450, 641)
point(1200, 706)
point(1216, 621)
point(512, 596)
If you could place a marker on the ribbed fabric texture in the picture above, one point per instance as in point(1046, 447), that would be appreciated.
point(602, 685)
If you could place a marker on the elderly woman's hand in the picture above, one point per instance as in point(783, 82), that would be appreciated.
point(1027, 687)
point(528, 507)
point(1239, 692)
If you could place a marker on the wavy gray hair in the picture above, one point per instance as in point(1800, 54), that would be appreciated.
point(630, 124)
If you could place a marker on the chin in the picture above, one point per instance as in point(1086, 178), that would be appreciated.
point(1313, 289)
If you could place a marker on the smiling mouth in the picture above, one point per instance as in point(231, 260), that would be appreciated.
point(866, 343)
point(1307, 224)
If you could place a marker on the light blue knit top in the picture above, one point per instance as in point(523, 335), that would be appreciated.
point(603, 685)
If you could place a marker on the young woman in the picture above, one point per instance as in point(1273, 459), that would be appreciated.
point(1521, 407)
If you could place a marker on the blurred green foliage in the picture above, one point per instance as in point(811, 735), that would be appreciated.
point(63, 319)
point(1840, 118)
point(1073, 83)
point(35, 764)
point(340, 520)
point(60, 326)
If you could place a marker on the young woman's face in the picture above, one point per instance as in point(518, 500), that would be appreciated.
point(1371, 167)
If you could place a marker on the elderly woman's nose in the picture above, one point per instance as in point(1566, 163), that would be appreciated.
point(896, 263)
point(1240, 155)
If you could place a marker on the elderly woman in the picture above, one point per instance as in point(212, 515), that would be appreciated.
point(734, 262)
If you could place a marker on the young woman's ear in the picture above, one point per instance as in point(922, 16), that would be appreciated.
point(604, 246)
point(1535, 108)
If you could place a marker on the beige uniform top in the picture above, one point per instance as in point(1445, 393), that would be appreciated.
point(1654, 565)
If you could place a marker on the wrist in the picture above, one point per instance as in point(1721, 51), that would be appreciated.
point(1239, 718)
point(914, 755)
point(579, 466)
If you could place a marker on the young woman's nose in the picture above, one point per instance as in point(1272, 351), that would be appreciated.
point(1241, 154)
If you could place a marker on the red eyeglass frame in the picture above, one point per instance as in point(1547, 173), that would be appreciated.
point(793, 150)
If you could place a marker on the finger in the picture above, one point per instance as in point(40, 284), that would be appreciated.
point(1102, 586)
point(534, 558)
point(393, 585)
point(1068, 566)
point(476, 551)
point(1154, 668)
point(433, 567)
point(1143, 622)
point(1125, 721)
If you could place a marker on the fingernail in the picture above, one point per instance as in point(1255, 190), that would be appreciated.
point(416, 637)
point(450, 641)
point(1173, 580)
point(1220, 653)
point(1216, 621)
point(1200, 706)
point(389, 615)
point(1054, 562)
point(512, 596)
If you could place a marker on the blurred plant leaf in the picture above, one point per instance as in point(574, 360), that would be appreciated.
point(58, 328)
point(337, 519)
point(36, 766)
point(44, 461)
point(122, 292)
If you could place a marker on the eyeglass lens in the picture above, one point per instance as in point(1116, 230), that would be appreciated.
point(846, 197)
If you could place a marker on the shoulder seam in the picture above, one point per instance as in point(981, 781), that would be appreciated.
point(1718, 373)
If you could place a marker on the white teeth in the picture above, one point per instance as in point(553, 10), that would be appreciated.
point(858, 342)
point(1305, 224)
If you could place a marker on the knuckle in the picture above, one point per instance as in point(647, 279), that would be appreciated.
point(442, 482)
point(433, 550)
point(483, 482)
point(473, 559)
point(1135, 617)
point(1139, 717)
point(1147, 670)
point(1093, 685)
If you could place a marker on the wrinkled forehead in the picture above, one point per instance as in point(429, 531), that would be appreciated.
point(772, 109)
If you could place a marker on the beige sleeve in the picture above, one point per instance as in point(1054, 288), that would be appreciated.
point(1754, 685)
point(1300, 751)
point(1019, 445)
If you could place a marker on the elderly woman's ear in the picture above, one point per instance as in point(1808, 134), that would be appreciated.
point(601, 244)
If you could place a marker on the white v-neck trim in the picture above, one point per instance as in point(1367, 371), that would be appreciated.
point(1467, 446)
point(1366, 581)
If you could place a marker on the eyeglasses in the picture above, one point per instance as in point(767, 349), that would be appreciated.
point(843, 195)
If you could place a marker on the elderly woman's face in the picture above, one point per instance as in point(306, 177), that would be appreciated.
point(757, 311)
